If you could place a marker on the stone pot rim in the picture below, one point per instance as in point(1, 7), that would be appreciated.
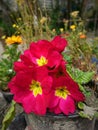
point(58, 116)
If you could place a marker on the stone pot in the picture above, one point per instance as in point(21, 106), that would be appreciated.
point(58, 122)
point(8, 96)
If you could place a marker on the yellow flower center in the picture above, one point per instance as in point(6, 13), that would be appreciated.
point(62, 92)
point(42, 61)
point(35, 88)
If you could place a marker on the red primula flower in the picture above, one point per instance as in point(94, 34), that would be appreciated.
point(44, 54)
point(31, 89)
point(62, 78)
point(62, 102)
point(66, 92)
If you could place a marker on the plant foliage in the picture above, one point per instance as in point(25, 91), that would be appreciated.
point(10, 55)
point(9, 116)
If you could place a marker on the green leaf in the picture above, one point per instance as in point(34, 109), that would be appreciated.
point(67, 57)
point(82, 88)
point(81, 105)
point(83, 115)
point(83, 77)
point(79, 76)
point(9, 116)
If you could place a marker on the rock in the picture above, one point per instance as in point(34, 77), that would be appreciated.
point(96, 125)
point(1, 49)
point(11, 4)
point(3, 106)
point(18, 123)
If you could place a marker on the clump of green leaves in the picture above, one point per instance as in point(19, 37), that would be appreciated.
point(9, 56)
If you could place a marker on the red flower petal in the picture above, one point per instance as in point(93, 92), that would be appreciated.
point(36, 105)
point(59, 43)
point(40, 48)
point(47, 84)
point(67, 106)
point(54, 59)
point(54, 101)
point(55, 110)
point(19, 66)
point(27, 58)
point(29, 103)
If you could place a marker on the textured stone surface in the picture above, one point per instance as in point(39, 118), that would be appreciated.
point(11, 4)
point(1, 49)
point(3, 106)
point(18, 123)
point(50, 122)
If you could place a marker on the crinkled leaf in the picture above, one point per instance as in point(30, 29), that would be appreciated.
point(82, 88)
point(79, 76)
point(83, 77)
point(87, 93)
point(9, 116)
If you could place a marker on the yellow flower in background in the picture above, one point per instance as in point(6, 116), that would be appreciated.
point(13, 39)
point(73, 27)
point(61, 30)
point(17, 26)
point(65, 21)
point(3, 37)
point(74, 14)
point(19, 19)
point(18, 33)
point(14, 25)
point(43, 20)
point(54, 30)
point(80, 33)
